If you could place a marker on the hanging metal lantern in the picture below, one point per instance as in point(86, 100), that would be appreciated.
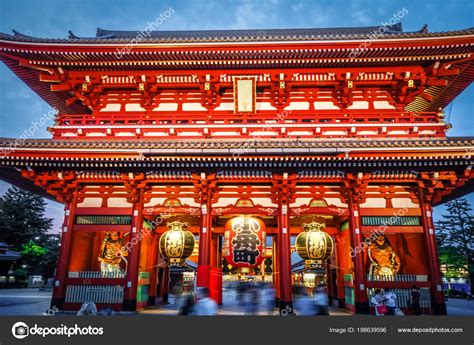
point(244, 241)
point(177, 244)
point(313, 245)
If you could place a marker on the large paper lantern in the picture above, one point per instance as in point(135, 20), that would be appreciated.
point(177, 243)
point(313, 245)
point(244, 241)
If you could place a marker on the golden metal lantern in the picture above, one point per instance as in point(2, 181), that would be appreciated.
point(313, 245)
point(177, 244)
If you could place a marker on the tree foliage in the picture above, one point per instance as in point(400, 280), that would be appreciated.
point(31, 248)
point(455, 236)
point(454, 264)
point(25, 228)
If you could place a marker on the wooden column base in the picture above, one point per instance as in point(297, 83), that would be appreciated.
point(203, 275)
point(151, 301)
point(362, 308)
point(341, 303)
point(129, 305)
point(165, 298)
point(215, 285)
point(439, 309)
point(57, 303)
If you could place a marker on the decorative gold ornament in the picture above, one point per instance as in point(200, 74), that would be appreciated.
point(177, 244)
point(314, 245)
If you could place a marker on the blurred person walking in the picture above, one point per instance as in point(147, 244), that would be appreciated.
point(390, 299)
point(268, 298)
point(205, 305)
point(321, 300)
point(87, 309)
point(304, 304)
point(251, 300)
point(378, 302)
point(187, 304)
point(415, 300)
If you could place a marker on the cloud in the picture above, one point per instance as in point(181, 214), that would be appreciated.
point(249, 15)
point(361, 14)
point(297, 7)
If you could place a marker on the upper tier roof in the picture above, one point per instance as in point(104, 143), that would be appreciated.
point(252, 50)
point(255, 35)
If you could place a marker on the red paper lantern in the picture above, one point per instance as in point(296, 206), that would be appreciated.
point(244, 241)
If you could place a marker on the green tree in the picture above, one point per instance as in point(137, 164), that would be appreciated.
point(23, 225)
point(455, 236)
point(455, 265)
point(47, 263)
point(31, 248)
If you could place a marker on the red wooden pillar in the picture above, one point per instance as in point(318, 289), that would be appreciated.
point(165, 285)
point(276, 268)
point(361, 303)
point(130, 293)
point(284, 245)
point(204, 260)
point(437, 297)
point(215, 279)
point(59, 289)
point(162, 278)
point(330, 283)
point(154, 270)
point(340, 260)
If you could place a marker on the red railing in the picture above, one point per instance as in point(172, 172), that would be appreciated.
point(263, 117)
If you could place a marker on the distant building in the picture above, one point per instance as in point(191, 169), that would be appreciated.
point(7, 259)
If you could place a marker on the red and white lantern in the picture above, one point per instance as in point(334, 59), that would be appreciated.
point(244, 241)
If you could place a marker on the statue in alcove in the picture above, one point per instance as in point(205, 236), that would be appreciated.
point(112, 253)
point(383, 259)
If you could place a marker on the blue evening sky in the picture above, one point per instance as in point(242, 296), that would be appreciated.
point(19, 106)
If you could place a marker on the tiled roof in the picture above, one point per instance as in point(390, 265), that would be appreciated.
point(6, 253)
point(96, 160)
point(339, 41)
point(215, 144)
point(259, 35)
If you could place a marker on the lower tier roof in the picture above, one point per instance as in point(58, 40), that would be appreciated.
point(317, 160)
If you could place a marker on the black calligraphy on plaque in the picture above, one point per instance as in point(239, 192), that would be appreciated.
point(246, 241)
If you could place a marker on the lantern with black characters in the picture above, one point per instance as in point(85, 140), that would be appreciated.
point(314, 245)
point(244, 241)
point(177, 243)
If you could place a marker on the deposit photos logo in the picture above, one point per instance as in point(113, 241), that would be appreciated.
point(21, 330)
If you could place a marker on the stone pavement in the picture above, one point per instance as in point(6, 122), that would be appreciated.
point(230, 307)
point(24, 301)
point(460, 307)
point(36, 302)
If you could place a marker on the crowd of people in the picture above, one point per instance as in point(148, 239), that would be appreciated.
point(385, 302)
point(257, 298)
point(251, 299)
point(254, 298)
